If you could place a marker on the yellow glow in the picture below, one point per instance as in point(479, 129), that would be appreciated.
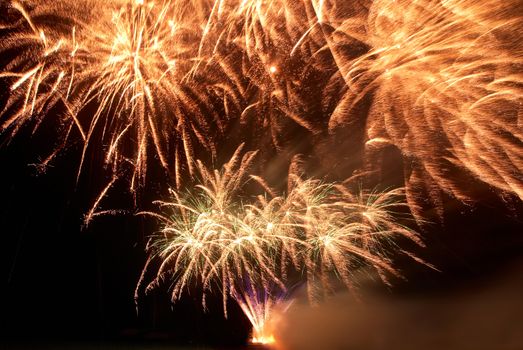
point(263, 340)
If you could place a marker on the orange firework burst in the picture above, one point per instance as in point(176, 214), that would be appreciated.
point(132, 60)
point(446, 86)
point(146, 78)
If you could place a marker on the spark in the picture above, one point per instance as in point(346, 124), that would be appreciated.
point(129, 58)
point(443, 79)
point(212, 240)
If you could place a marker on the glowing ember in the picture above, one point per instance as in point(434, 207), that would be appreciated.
point(263, 340)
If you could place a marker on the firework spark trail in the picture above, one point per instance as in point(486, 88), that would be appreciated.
point(446, 86)
point(342, 231)
point(204, 241)
point(211, 240)
point(263, 308)
point(128, 58)
point(267, 86)
point(139, 77)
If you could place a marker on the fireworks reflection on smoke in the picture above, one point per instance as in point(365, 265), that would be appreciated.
point(212, 240)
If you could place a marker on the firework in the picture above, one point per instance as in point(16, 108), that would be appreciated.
point(212, 240)
point(154, 83)
point(120, 72)
point(145, 81)
point(445, 85)
point(163, 80)
point(144, 76)
point(262, 308)
point(205, 240)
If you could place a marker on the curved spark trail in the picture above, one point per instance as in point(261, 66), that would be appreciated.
point(445, 83)
point(129, 59)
